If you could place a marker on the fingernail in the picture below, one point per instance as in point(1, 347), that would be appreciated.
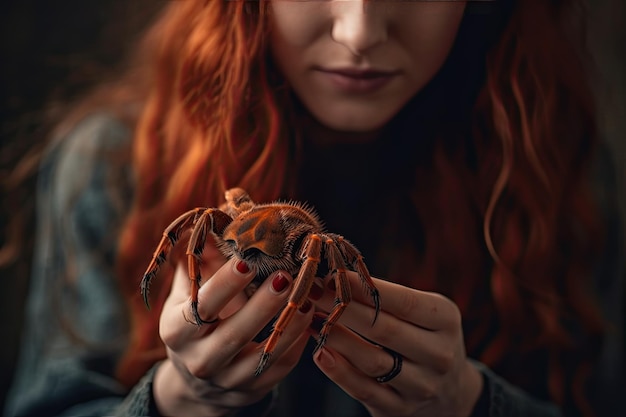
point(316, 291)
point(304, 308)
point(326, 358)
point(279, 283)
point(242, 267)
point(317, 322)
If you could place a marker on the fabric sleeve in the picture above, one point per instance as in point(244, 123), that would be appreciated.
point(75, 327)
point(75, 321)
point(501, 399)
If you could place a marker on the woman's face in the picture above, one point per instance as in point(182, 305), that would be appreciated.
point(355, 63)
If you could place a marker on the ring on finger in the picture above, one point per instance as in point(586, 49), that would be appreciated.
point(395, 370)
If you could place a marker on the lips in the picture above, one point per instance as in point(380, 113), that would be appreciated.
point(357, 81)
point(359, 73)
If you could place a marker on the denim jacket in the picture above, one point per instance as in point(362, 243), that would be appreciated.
point(76, 321)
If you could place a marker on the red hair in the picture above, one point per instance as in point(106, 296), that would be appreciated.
point(541, 226)
point(214, 120)
point(210, 123)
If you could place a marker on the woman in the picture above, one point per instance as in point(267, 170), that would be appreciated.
point(451, 142)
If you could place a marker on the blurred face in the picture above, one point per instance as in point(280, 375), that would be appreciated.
point(355, 63)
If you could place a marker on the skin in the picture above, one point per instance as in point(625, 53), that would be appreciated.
point(209, 370)
point(409, 39)
point(424, 327)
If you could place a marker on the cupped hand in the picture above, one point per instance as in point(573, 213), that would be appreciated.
point(210, 368)
point(423, 328)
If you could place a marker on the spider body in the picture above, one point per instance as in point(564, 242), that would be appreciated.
point(268, 237)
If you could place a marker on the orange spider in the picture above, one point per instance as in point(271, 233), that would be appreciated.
point(268, 237)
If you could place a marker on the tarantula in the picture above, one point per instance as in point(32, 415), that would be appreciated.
point(268, 237)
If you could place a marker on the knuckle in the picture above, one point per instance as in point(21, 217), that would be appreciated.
point(452, 311)
point(385, 335)
point(233, 340)
point(408, 304)
point(170, 335)
point(197, 369)
point(378, 365)
point(444, 360)
point(428, 393)
point(455, 316)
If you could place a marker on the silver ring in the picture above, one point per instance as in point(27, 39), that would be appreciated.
point(397, 366)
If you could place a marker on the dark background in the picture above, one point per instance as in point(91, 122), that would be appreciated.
point(50, 51)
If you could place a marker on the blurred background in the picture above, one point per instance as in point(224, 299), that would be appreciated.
point(51, 51)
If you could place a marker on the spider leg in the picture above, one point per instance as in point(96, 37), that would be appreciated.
point(311, 253)
point(355, 259)
point(343, 294)
point(212, 220)
point(170, 236)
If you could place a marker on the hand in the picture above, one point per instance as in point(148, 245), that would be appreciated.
point(435, 379)
point(210, 369)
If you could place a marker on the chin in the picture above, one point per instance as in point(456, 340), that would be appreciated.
point(353, 123)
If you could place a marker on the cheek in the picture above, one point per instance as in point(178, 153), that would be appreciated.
point(295, 25)
point(427, 34)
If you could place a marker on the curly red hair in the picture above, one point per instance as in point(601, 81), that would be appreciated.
point(214, 116)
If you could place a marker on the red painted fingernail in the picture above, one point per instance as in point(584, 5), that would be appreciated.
point(280, 282)
point(316, 292)
point(317, 322)
point(242, 267)
point(304, 308)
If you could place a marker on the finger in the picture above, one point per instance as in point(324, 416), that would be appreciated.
point(429, 310)
point(286, 355)
point(227, 283)
point(374, 361)
point(212, 261)
point(230, 335)
point(355, 383)
point(420, 345)
point(219, 296)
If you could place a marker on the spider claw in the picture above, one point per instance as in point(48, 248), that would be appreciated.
point(265, 357)
point(173, 237)
point(305, 247)
point(145, 289)
point(196, 315)
point(320, 344)
point(376, 298)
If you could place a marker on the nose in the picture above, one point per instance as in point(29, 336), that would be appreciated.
point(358, 25)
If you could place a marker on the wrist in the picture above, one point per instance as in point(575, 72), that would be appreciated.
point(473, 383)
point(173, 396)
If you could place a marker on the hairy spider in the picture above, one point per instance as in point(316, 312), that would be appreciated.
point(280, 235)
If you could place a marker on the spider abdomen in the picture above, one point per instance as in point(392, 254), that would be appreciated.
point(268, 236)
point(257, 229)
